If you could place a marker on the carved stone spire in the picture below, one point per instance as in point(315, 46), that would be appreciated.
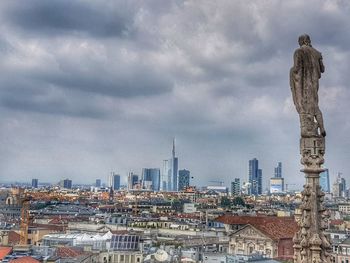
point(311, 244)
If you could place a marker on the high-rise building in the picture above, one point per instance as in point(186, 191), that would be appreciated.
point(255, 177)
point(184, 179)
point(277, 182)
point(236, 187)
point(260, 181)
point(174, 169)
point(170, 172)
point(343, 186)
point(276, 185)
point(67, 183)
point(98, 183)
point(133, 180)
point(324, 181)
point(165, 175)
point(35, 183)
point(151, 179)
point(339, 187)
point(114, 181)
point(278, 170)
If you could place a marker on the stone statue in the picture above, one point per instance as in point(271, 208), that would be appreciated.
point(311, 244)
point(304, 76)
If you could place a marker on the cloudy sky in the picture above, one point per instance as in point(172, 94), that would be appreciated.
point(90, 87)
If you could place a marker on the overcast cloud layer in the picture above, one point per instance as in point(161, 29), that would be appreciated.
point(90, 87)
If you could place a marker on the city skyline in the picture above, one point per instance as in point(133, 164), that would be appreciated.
point(84, 95)
point(106, 179)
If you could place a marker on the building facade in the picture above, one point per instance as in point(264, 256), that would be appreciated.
point(133, 180)
point(35, 183)
point(255, 177)
point(170, 173)
point(276, 185)
point(278, 170)
point(324, 181)
point(184, 179)
point(236, 187)
point(266, 236)
point(67, 184)
point(98, 183)
point(339, 187)
point(151, 179)
point(114, 181)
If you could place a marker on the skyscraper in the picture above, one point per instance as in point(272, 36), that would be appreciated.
point(133, 179)
point(174, 169)
point(151, 178)
point(184, 179)
point(255, 177)
point(278, 170)
point(114, 181)
point(170, 172)
point(276, 185)
point(67, 183)
point(324, 181)
point(259, 182)
point(98, 183)
point(277, 182)
point(236, 187)
point(165, 175)
point(35, 183)
point(339, 187)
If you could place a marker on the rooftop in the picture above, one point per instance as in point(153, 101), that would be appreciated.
point(27, 259)
point(274, 227)
point(4, 251)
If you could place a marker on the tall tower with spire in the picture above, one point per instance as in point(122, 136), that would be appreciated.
point(174, 169)
point(173, 148)
point(170, 172)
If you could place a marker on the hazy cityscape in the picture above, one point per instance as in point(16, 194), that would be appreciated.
point(174, 131)
point(160, 216)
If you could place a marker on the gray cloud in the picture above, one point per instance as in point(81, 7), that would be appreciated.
point(95, 86)
point(103, 19)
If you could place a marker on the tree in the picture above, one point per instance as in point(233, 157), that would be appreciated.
point(225, 202)
point(238, 201)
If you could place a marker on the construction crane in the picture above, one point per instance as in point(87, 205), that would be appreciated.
point(24, 222)
point(24, 199)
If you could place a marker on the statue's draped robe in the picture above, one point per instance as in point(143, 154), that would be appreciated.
point(304, 76)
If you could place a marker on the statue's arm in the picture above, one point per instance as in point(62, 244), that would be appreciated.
point(295, 79)
point(321, 64)
point(297, 61)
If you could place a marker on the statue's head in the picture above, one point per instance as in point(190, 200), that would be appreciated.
point(304, 40)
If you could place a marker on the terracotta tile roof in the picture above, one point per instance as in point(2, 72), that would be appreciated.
point(191, 216)
point(13, 238)
point(4, 251)
point(58, 221)
point(336, 222)
point(274, 227)
point(24, 260)
point(119, 232)
point(67, 252)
